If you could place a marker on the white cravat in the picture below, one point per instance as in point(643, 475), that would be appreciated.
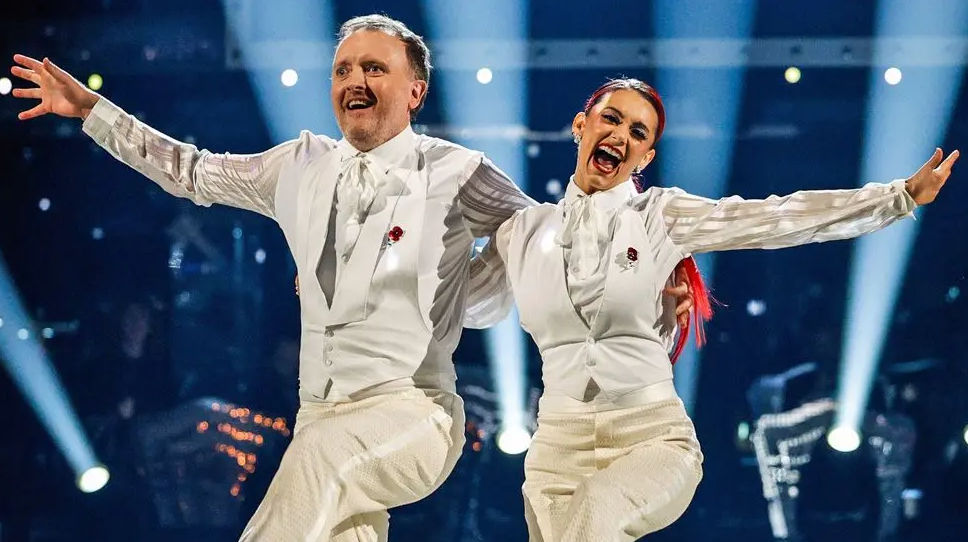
point(585, 234)
point(583, 231)
point(358, 192)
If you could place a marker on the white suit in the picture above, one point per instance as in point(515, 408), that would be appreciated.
point(379, 425)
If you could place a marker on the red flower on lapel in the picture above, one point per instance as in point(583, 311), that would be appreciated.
point(394, 235)
point(626, 260)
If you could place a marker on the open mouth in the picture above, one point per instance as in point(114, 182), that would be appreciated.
point(359, 104)
point(607, 158)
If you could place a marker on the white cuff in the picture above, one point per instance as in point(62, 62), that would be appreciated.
point(101, 120)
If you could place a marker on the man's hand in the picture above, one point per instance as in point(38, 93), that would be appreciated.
point(928, 181)
point(684, 299)
point(58, 92)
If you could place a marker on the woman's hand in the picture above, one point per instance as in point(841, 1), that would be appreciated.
point(684, 299)
point(928, 181)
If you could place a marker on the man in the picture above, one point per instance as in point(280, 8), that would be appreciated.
point(383, 222)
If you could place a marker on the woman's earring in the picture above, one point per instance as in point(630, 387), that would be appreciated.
point(577, 139)
point(638, 170)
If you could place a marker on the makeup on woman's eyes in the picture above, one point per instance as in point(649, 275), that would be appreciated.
point(613, 116)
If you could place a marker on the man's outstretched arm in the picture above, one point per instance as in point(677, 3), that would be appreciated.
point(181, 169)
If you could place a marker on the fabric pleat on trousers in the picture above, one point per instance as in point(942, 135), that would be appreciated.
point(349, 462)
point(598, 473)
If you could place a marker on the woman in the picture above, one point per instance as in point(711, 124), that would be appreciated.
point(615, 456)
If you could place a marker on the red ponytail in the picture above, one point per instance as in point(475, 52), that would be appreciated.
point(702, 309)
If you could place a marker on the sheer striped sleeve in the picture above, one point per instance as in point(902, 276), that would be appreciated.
point(695, 224)
point(489, 198)
point(246, 181)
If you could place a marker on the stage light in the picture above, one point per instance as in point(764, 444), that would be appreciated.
point(554, 188)
point(699, 96)
point(514, 440)
point(952, 294)
point(843, 439)
point(270, 35)
point(755, 307)
point(95, 82)
point(289, 78)
point(743, 431)
point(483, 104)
point(903, 125)
point(484, 76)
point(792, 74)
point(93, 479)
point(6, 85)
point(892, 76)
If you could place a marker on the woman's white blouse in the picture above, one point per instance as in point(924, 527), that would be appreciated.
point(587, 274)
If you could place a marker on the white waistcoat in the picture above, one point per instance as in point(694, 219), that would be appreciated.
point(626, 348)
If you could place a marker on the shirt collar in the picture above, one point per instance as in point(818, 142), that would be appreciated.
point(604, 200)
point(390, 153)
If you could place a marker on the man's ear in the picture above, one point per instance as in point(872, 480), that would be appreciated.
point(418, 91)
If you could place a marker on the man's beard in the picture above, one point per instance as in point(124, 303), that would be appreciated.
point(365, 136)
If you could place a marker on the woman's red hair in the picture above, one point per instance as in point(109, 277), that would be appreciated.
point(702, 309)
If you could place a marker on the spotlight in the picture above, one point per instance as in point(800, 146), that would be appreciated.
point(44, 204)
point(953, 294)
point(289, 78)
point(843, 439)
point(484, 76)
point(93, 479)
point(95, 82)
point(892, 76)
point(514, 440)
point(792, 74)
point(6, 85)
point(554, 187)
point(743, 431)
point(755, 307)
